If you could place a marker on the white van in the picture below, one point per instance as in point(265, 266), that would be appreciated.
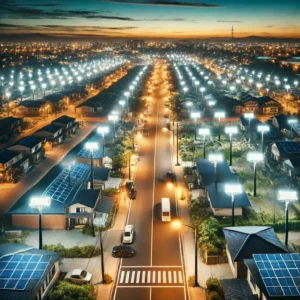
point(165, 210)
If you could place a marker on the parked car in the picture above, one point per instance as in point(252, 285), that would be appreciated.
point(132, 193)
point(123, 251)
point(128, 234)
point(170, 178)
point(79, 276)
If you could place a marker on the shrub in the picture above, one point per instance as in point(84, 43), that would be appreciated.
point(191, 281)
point(88, 230)
point(68, 291)
point(110, 192)
point(214, 296)
point(107, 278)
point(213, 284)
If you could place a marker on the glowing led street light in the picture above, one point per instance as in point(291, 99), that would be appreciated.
point(231, 130)
point(232, 190)
point(219, 115)
point(262, 129)
point(249, 116)
point(287, 196)
point(255, 157)
point(292, 121)
point(39, 203)
point(103, 130)
point(92, 146)
point(114, 118)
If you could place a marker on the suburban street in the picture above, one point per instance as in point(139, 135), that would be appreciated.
point(156, 271)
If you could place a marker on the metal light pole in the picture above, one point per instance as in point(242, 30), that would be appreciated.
point(102, 256)
point(204, 132)
point(255, 157)
point(287, 196)
point(177, 143)
point(232, 190)
point(103, 130)
point(231, 130)
point(40, 203)
point(195, 116)
point(92, 146)
point(114, 118)
point(292, 122)
point(219, 115)
point(249, 116)
point(263, 128)
point(215, 158)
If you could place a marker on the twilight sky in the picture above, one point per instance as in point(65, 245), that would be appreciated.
point(151, 18)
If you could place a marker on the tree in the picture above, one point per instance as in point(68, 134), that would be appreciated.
point(68, 291)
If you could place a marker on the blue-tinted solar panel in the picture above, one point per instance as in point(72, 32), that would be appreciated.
point(280, 273)
point(2, 283)
point(21, 284)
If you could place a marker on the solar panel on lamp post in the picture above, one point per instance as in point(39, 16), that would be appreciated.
point(204, 132)
point(219, 115)
point(231, 130)
point(103, 130)
point(233, 189)
point(263, 128)
point(249, 116)
point(39, 203)
point(287, 196)
point(195, 115)
point(255, 157)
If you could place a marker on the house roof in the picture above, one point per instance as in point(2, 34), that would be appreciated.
point(33, 104)
point(101, 173)
point(219, 199)
point(245, 122)
point(86, 197)
point(6, 155)
point(30, 141)
point(237, 288)
point(6, 122)
point(56, 97)
point(51, 128)
point(294, 162)
point(288, 147)
point(64, 120)
point(244, 241)
point(206, 170)
point(33, 284)
point(105, 205)
point(282, 121)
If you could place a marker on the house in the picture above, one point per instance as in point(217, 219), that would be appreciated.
point(68, 124)
point(244, 241)
point(292, 168)
point(214, 182)
point(103, 180)
point(58, 101)
point(51, 132)
point(244, 124)
point(30, 146)
point(81, 210)
point(27, 273)
point(274, 276)
point(281, 122)
point(9, 126)
point(282, 150)
point(9, 158)
point(103, 210)
point(30, 108)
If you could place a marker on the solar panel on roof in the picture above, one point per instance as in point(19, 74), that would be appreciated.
point(60, 188)
point(279, 273)
point(17, 270)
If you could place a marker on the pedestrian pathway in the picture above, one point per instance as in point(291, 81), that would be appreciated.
point(137, 276)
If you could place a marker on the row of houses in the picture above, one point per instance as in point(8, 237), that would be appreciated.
point(30, 150)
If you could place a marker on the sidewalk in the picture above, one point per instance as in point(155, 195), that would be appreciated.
point(8, 196)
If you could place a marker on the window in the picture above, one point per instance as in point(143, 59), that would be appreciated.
point(165, 214)
point(81, 209)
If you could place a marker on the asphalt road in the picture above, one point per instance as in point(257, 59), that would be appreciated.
point(156, 271)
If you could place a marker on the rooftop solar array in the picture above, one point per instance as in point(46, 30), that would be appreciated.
point(280, 273)
point(16, 270)
point(291, 147)
point(60, 189)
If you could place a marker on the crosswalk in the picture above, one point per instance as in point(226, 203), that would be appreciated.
point(151, 276)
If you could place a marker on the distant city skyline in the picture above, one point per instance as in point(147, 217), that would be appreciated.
point(152, 18)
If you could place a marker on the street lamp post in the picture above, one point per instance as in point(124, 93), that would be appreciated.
point(262, 129)
point(219, 115)
point(21, 88)
point(102, 256)
point(92, 146)
point(215, 158)
point(70, 169)
point(204, 132)
point(249, 116)
point(40, 203)
point(103, 130)
point(122, 103)
point(126, 94)
point(231, 130)
point(195, 115)
point(232, 190)
point(287, 196)
point(178, 224)
point(177, 142)
point(255, 157)
point(114, 118)
point(292, 121)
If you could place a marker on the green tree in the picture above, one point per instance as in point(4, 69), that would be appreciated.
point(68, 291)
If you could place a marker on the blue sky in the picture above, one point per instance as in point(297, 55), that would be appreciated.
point(152, 18)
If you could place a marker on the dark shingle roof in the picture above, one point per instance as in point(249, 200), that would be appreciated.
point(101, 173)
point(51, 128)
point(30, 141)
point(7, 155)
point(64, 120)
point(245, 122)
point(86, 197)
point(105, 205)
point(6, 122)
point(245, 241)
point(33, 104)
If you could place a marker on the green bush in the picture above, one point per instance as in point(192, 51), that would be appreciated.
point(110, 192)
point(68, 291)
point(74, 252)
point(214, 296)
point(213, 284)
point(88, 230)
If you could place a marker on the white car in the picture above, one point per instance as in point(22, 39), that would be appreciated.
point(79, 276)
point(128, 234)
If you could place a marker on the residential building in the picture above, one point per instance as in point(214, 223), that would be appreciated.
point(27, 273)
point(68, 124)
point(58, 101)
point(282, 150)
point(9, 158)
point(244, 241)
point(35, 108)
point(292, 168)
point(9, 126)
point(244, 124)
point(52, 133)
point(281, 122)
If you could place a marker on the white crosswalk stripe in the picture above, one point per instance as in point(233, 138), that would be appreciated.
point(151, 277)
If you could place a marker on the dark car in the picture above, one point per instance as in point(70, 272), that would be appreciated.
point(132, 193)
point(123, 251)
point(170, 178)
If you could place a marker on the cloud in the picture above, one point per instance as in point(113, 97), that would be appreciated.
point(166, 3)
point(223, 21)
